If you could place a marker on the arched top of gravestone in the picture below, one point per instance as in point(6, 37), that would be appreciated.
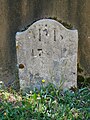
point(47, 22)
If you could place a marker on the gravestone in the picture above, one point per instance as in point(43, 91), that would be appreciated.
point(47, 50)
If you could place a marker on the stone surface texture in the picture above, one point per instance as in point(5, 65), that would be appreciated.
point(47, 50)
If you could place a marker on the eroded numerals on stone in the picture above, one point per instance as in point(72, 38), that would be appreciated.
point(39, 34)
point(61, 37)
point(45, 31)
point(32, 52)
point(54, 34)
point(40, 52)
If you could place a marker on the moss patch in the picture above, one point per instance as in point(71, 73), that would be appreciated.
point(65, 24)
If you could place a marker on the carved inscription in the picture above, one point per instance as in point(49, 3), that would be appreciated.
point(54, 35)
point(39, 34)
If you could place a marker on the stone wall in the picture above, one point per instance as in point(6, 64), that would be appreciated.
point(16, 15)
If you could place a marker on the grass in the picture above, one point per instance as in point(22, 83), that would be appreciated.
point(49, 103)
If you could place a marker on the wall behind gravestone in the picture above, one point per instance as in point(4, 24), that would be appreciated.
point(17, 14)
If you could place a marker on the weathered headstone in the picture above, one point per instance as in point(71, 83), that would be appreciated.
point(47, 50)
